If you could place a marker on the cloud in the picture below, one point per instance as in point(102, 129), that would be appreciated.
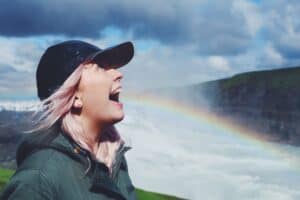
point(211, 29)
point(15, 83)
point(218, 63)
point(21, 54)
point(271, 57)
point(282, 26)
point(161, 66)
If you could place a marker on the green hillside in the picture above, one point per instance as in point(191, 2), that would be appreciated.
point(146, 195)
point(5, 174)
point(283, 78)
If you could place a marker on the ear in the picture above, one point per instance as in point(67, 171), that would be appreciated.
point(77, 101)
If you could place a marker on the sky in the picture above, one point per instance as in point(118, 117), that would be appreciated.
point(176, 42)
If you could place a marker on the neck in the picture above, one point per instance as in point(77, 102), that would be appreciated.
point(92, 133)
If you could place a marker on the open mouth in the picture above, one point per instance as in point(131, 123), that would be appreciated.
point(114, 97)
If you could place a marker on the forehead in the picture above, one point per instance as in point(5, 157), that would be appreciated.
point(92, 69)
point(90, 65)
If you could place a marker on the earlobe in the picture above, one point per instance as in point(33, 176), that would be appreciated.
point(77, 102)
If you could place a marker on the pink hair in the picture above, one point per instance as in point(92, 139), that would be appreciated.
point(59, 106)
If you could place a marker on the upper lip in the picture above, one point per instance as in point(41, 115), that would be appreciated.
point(117, 90)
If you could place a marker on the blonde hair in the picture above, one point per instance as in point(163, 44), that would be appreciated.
point(58, 106)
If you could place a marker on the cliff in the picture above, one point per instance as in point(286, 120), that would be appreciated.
point(265, 101)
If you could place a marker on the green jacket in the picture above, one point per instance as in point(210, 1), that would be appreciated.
point(52, 166)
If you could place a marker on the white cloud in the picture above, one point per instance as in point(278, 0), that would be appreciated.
point(282, 26)
point(21, 54)
point(272, 57)
point(218, 63)
point(253, 17)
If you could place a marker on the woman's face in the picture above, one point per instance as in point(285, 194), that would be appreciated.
point(94, 91)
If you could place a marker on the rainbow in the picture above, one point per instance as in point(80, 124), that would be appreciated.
point(260, 140)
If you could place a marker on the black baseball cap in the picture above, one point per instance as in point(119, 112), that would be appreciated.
point(61, 59)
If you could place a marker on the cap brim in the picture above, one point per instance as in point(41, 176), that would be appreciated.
point(115, 56)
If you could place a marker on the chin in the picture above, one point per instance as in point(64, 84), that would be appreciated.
point(119, 118)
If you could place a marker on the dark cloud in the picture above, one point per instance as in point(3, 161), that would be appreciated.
point(288, 51)
point(211, 28)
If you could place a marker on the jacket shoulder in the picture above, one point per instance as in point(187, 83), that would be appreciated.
point(43, 159)
point(36, 177)
point(29, 184)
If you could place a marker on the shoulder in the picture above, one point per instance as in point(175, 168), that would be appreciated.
point(37, 176)
point(29, 184)
point(49, 163)
point(43, 159)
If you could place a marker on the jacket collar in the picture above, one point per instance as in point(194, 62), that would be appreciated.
point(100, 179)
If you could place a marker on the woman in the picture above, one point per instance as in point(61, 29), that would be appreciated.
point(75, 152)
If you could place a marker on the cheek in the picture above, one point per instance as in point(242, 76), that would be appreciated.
point(96, 94)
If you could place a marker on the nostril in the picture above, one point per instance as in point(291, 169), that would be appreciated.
point(118, 78)
point(119, 75)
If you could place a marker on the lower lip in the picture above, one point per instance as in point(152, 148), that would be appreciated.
point(119, 104)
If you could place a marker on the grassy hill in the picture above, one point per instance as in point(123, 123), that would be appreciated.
point(282, 78)
point(5, 174)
